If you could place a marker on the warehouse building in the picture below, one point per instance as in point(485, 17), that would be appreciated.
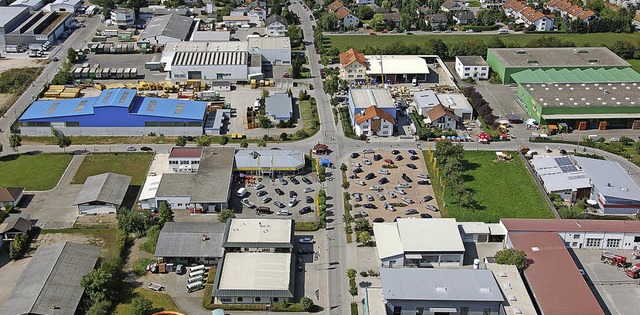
point(517, 300)
point(419, 243)
point(116, 112)
point(508, 61)
point(159, 10)
point(32, 5)
point(458, 103)
point(190, 243)
point(66, 5)
point(279, 106)
point(50, 283)
point(274, 50)
point(258, 265)
point(165, 29)
point(40, 27)
point(10, 18)
point(563, 176)
point(102, 194)
point(398, 69)
point(269, 162)
point(361, 99)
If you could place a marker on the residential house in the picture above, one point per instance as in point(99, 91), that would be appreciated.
point(374, 121)
point(15, 224)
point(185, 159)
point(442, 117)
point(491, 4)
point(347, 19)
point(472, 67)
point(570, 10)
point(362, 99)
point(235, 21)
point(464, 17)
point(102, 193)
point(190, 243)
point(528, 16)
point(334, 6)
point(353, 65)
point(10, 195)
point(365, 2)
point(392, 19)
point(452, 5)
point(276, 26)
point(436, 20)
point(279, 107)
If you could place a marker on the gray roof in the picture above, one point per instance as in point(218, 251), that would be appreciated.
point(610, 179)
point(472, 61)
point(210, 36)
point(164, 11)
point(275, 18)
point(9, 13)
point(279, 105)
point(210, 184)
point(18, 222)
point(425, 99)
point(464, 15)
point(558, 57)
point(170, 25)
point(276, 159)
point(572, 95)
point(107, 188)
point(185, 239)
point(52, 277)
point(426, 284)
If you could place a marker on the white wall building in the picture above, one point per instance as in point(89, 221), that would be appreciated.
point(227, 61)
point(274, 50)
point(472, 67)
point(185, 159)
point(123, 17)
point(33, 5)
point(276, 26)
point(66, 5)
point(374, 121)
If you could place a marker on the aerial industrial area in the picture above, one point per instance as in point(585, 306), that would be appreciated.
point(364, 158)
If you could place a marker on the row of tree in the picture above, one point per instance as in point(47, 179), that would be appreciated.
point(449, 160)
point(480, 105)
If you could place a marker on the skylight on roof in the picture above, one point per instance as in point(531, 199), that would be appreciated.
point(53, 107)
point(152, 106)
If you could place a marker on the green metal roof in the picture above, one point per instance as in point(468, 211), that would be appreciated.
point(565, 75)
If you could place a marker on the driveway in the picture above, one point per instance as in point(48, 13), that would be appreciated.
point(10, 271)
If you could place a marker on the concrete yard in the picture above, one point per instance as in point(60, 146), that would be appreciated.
point(415, 192)
point(127, 61)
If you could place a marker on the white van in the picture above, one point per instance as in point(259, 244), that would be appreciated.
point(196, 273)
point(195, 279)
point(192, 287)
point(196, 268)
point(241, 192)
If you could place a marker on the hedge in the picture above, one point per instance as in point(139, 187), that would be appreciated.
point(307, 226)
point(480, 28)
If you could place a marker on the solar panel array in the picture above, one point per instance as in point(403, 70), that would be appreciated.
point(80, 106)
point(179, 108)
point(566, 164)
point(152, 106)
point(53, 107)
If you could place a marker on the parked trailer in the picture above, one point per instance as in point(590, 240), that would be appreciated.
point(85, 73)
point(120, 73)
point(134, 73)
point(76, 73)
point(12, 48)
point(126, 73)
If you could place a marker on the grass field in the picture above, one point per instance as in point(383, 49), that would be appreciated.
point(106, 239)
point(33, 172)
point(474, 3)
point(635, 64)
point(160, 301)
point(344, 42)
point(86, 140)
point(309, 116)
point(496, 186)
point(135, 165)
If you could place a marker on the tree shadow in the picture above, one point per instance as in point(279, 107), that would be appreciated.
point(470, 166)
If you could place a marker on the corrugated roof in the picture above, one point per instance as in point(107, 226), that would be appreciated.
point(108, 188)
point(172, 108)
point(363, 98)
point(9, 13)
point(279, 105)
point(52, 278)
point(570, 225)
point(181, 152)
point(210, 58)
point(396, 64)
point(170, 25)
point(441, 285)
point(191, 239)
point(269, 159)
point(115, 97)
point(553, 277)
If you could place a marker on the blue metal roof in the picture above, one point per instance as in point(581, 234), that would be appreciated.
point(171, 108)
point(116, 97)
point(60, 108)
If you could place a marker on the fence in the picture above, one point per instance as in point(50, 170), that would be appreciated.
point(536, 179)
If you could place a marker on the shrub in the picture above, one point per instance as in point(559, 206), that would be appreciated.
point(307, 226)
point(141, 306)
point(150, 245)
point(99, 308)
point(140, 266)
point(364, 273)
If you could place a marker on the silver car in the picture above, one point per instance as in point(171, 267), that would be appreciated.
point(407, 200)
point(391, 194)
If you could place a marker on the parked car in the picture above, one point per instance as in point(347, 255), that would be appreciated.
point(146, 149)
point(376, 188)
point(283, 212)
point(306, 180)
point(406, 178)
point(403, 185)
point(426, 216)
point(306, 240)
point(355, 155)
point(370, 197)
point(130, 148)
point(259, 186)
point(294, 180)
point(407, 200)
point(414, 157)
point(381, 196)
point(368, 151)
point(412, 152)
point(304, 251)
point(370, 206)
point(266, 199)
point(357, 196)
point(278, 204)
point(423, 182)
point(383, 181)
point(309, 199)
point(363, 213)
point(308, 190)
point(423, 175)
point(247, 203)
point(282, 181)
point(293, 202)
point(357, 170)
point(410, 211)
point(370, 176)
point(426, 198)
point(384, 171)
point(399, 157)
point(377, 157)
point(361, 183)
point(279, 191)
point(412, 166)
point(395, 152)
point(261, 193)
point(389, 207)
point(432, 208)
point(293, 194)
point(366, 162)
point(356, 164)
point(304, 210)
point(391, 194)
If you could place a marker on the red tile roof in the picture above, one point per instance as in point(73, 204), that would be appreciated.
point(342, 13)
point(557, 286)
point(334, 6)
point(373, 111)
point(10, 194)
point(566, 225)
point(439, 110)
point(185, 153)
point(350, 56)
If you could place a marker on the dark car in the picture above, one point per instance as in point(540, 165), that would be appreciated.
point(261, 193)
point(304, 210)
point(423, 182)
point(306, 181)
point(279, 191)
point(378, 220)
point(425, 216)
point(412, 166)
point(294, 180)
point(426, 198)
point(406, 178)
point(414, 157)
point(370, 176)
point(399, 157)
point(394, 152)
point(304, 251)
point(293, 194)
point(377, 157)
point(357, 170)
point(383, 181)
point(412, 152)
point(309, 199)
point(370, 206)
point(355, 155)
point(146, 149)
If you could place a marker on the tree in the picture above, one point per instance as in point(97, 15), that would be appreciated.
point(141, 306)
point(295, 35)
point(365, 12)
point(343, 167)
point(362, 224)
point(18, 246)
point(165, 213)
point(512, 257)
point(328, 22)
point(15, 141)
point(244, 143)
point(265, 122)
point(465, 197)
point(71, 55)
point(296, 67)
point(132, 221)
point(306, 303)
point(364, 237)
point(262, 143)
point(224, 140)
point(226, 214)
point(181, 141)
point(99, 308)
point(62, 140)
point(351, 273)
point(300, 134)
point(103, 284)
point(283, 136)
point(203, 141)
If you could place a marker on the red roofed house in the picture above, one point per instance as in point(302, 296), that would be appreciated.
point(334, 6)
point(553, 277)
point(575, 12)
point(353, 65)
point(374, 121)
point(10, 195)
point(183, 159)
point(442, 117)
point(347, 19)
point(529, 16)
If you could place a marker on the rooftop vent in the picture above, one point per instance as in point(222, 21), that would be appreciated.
point(506, 285)
point(587, 103)
point(485, 290)
point(441, 289)
point(502, 274)
point(517, 310)
point(535, 249)
point(582, 51)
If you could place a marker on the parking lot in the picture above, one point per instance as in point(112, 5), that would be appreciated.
point(377, 189)
point(301, 190)
point(618, 292)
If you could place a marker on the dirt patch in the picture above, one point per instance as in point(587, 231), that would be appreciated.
point(96, 221)
point(5, 98)
point(136, 253)
point(48, 239)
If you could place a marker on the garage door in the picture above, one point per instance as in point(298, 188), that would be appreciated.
point(194, 75)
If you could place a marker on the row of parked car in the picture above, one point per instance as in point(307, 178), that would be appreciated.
point(265, 199)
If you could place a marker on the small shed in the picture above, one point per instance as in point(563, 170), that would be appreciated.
point(320, 149)
point(102, 193)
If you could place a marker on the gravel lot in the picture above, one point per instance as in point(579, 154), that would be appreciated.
point(415, 192)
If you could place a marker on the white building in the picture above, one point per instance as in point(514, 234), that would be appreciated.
point(102, 193)
point(347, 19)
point(166, 29)
point(419, 243)
point(365, 2)
point(442, 117)
point(33, 5)
point(374, 122)
point(472, 67)
point(425, 100)
point(276, 26)
point(185, 159)
point(66, 5)
point(123, 18)
point(398, 68)
point(274, 50)
point(563, 176)
point(353, 65)
point(279, 106)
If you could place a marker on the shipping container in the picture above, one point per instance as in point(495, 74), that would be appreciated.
point(126, 73)
point(134, 73)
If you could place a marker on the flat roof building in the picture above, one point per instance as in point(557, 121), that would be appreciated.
point(190, 243)
point(70, 6)
point(269, 162)
point(259, 233)
point(419, 243)
point(471, 67)
point(361, 99)
point(10, 18)
point(517, 300)
point(274, 50)
point(39, 27)
point(397, 68)
point(165, 29)
point(563, 176)
point(279, 106)
point(50, 284)
point(33, 5)
point(102, 193)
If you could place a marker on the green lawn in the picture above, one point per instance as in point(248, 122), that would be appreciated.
point(310, 118)
point(501, 190)
point(135, 165)
point(344, 42)
point(160, 301)
point(474, 3)
point(33, 172)
point(635, 64)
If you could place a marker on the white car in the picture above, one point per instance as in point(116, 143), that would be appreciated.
point(407, 200)
point(614, 139)
point(361, 183)
point(403, 185)
point(283, 212)
point(363, 213)
point(259, 186)
point(266, 199)
point(377, 188)
point(400, 191)
point(423, 175)
point(384, 172)
point(293, 202)
point(356, 164)
point(391, 194)
point(308, 190)
point(366, 161)
point(247, 203)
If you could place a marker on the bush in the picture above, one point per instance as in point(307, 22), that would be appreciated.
point(17, 79)
point(307, 226)
point(19, 246)
point(226, 214)
point(141, 306)
point(150, 245)
point(354, 308)
point(373, 273)
point(99, 308)
point(306, 303)
point(140, 266)
point(364, 274)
